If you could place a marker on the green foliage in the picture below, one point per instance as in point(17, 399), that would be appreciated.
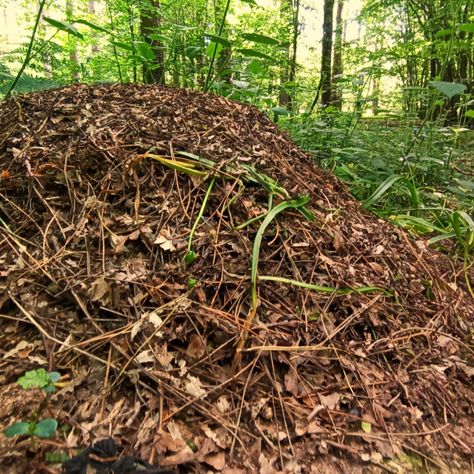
point(422, 190)
point(39, 378)
point(449, 89)
point(46, 381)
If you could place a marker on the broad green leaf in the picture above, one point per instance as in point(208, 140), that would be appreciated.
point(252, 53)
point(218, 39)
point(252, 3)
point(445, 32)
point(190, 257)
point(61, 25)
point(280, 110)
point(125, 46)
point(214, 49)
point(255, 67)
point(144, 50)
point(256, 38)
point(45, 428)
point(192, 51)
point(469, 113)
point(158, 37)
point(449, 89)
point(54, 376)
point(366, 426)
point(93, 26)
point(39, 378)
point(467, 27)
point(17, 429)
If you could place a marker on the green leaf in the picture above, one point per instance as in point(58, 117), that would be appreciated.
point(252, 53)
point(445, 32)
point(192, 282)
point(192, 51)
point(93, 26)
point(256, 38)
point(38, 378)
point(382, 189)
point(280, 110)
point(56, 457)
point(144, 50)
point(295, 203)
point(17, 429)
point(252, 3)
point(45, 428)
point(214, 49)
point(467, 27)
point(218, 39)
point(465, 184)
point(190, 257)
point(61, 25)
point(158, 37)
point(469, 113)
point(324, 289)
point(255, 67)
point(121, 45)
point(366, 426)
point(54, 376)
point(449, 89)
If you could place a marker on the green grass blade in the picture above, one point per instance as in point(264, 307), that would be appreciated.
point(382, 189)
point(190, 255)
point(324, 289)
point(290, 204)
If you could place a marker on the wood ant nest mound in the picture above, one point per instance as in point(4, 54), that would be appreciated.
point(215, 300)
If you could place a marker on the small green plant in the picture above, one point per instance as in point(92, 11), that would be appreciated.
point(35, 427)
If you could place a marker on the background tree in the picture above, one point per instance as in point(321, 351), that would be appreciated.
point(150, 29)
point(326, 53)
point(337, 66)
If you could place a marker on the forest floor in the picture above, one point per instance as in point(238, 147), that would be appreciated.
point(198, 329)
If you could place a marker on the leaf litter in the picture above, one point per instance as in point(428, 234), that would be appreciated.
point(335, 344)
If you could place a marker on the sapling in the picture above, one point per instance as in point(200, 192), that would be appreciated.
point(36, 427)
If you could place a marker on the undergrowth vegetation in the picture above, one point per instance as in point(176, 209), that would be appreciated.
point(420, 179)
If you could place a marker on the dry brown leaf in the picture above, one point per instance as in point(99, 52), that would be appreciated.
point(291, 382)
point(99, 289)
point(330, 401)
point(196, 347)
point(165, 243)
point(217, 460)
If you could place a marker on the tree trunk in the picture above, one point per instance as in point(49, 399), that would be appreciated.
point(326, 54)
point(337, 68)
point(91, 11)
point(73, 55)
point(150, 22)
point(285, 14)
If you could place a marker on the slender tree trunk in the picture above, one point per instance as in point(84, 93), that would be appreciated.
point(290, 13)
point(285, 13)
point(150, 22)
point(337, 67)
point(294, 51)
point(326, 54)
point(73, 54)
point(92, 12)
